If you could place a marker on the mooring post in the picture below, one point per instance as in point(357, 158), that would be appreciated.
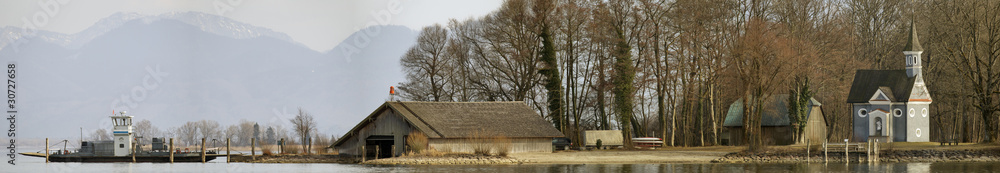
point(253, 152)
point(847, 158)
point(876, 151)
point(281, 146)
point(46, 149)
point(807, 151)
point(227, 150)
point(171, 150)
point(202, 150)
point(364, 153)
point(376, 152)
point(868, 150)
point(134, 151)
point(825, 153)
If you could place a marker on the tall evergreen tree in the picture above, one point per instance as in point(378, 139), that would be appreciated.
point(550, 70)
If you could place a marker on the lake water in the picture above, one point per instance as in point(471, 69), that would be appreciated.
point(31, 164)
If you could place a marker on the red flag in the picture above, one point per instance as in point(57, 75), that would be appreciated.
point(392, 90)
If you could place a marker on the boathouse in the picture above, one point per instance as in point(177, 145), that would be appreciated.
point(775, 124)
point(449, 126)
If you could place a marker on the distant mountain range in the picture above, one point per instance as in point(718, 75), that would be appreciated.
point(207, 67)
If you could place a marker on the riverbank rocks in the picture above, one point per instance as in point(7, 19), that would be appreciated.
point(293, 159)
point(929, 155)
point(447, 160)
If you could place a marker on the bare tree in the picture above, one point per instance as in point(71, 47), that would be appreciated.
point(426, 66)
point(970, 34)
point(187, 133)
point(304, 125)
point(100, 135)
point(146, 130)
point(232, 133)
point(208, 129)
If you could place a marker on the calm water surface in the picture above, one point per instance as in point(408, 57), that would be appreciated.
point(26, 164)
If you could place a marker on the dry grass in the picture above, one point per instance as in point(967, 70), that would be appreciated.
point(417, 141)
point(265, 149)
point(292, 148)
point(480, 143)
point(486, 144)
point(503, 145)
point(429, 153)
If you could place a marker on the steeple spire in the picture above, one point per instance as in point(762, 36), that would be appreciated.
point(913, 51)
point(914, 43)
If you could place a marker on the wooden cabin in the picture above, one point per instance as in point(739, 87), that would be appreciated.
point(449, 126)
point(775, 124)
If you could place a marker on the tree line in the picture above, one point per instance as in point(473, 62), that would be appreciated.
point(670, 68)
point(240, 134)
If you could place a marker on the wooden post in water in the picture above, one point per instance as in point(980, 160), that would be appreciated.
point(868, 150)
point(134, 147)
point(364, 153)
point(202, 150)
point(376, 152)
point(171, 150)
point(46, 150)
point(281, 148)
point(825, 153)
point(253, 152)
point(807, 151)
point(227, 150)
point(846, 154)
point(877, 152)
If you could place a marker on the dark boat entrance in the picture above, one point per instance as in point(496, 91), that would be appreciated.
point(379, 145)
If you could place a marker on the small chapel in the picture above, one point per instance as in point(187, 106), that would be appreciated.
point(892, 105)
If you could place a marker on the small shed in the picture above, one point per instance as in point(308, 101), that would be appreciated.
point(607, 137)
point(775, 123)
point(449, 126)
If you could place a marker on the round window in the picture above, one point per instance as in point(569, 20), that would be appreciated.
point(917, 132)
point(911, 113)
point(897, 112)
point(863, 112)
point(923, 112)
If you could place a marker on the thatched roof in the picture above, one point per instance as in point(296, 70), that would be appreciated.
point(462, 119)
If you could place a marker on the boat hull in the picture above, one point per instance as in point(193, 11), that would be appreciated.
point(129, 159)
point(141, 158)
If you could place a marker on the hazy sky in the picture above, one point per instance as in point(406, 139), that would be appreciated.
point(319, 24)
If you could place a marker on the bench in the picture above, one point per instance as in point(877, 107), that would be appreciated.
point(949, 141)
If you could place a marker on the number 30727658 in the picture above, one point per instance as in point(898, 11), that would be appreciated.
point(11, 85)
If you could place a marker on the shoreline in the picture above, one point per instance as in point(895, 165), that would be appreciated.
point(920, 152)
point(891, 156)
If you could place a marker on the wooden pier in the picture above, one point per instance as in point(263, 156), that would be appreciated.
point(870, 150)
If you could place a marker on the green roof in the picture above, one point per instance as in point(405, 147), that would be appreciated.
point(775, 113)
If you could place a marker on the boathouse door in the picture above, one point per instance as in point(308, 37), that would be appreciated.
point(380, 145)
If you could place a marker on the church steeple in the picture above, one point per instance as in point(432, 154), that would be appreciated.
point(913, 44)
point(912, 52)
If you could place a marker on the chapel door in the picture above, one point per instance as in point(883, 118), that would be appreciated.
point(878, 126)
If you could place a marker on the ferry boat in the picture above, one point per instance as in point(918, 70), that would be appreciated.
point(125, 148)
